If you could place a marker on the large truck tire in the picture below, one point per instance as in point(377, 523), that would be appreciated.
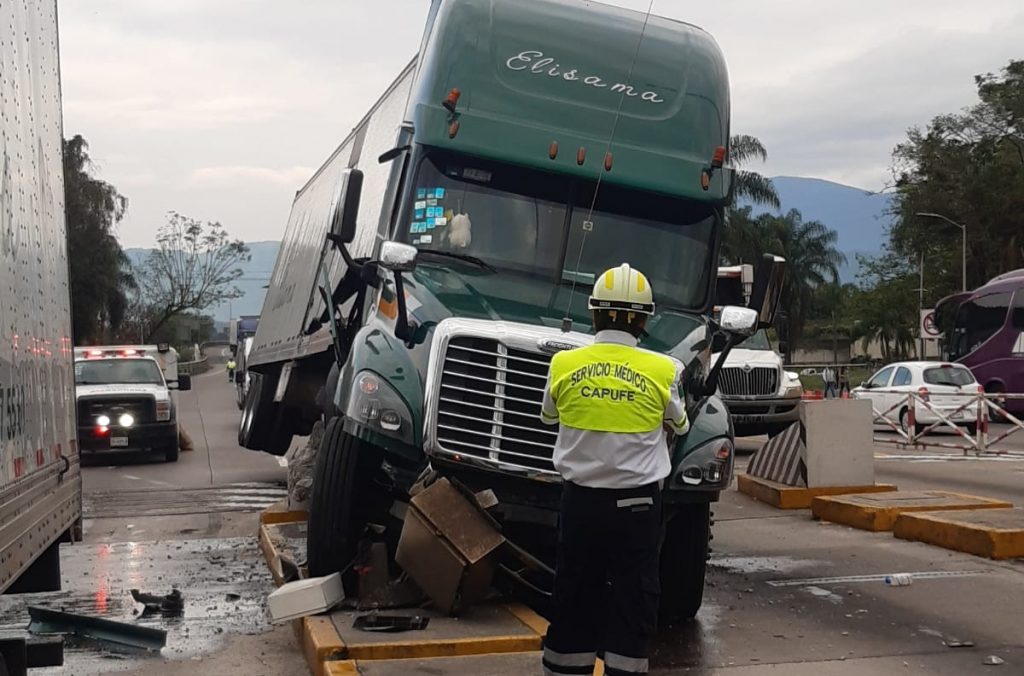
point(339, 506)
point(42, 576)
point(684, 560)
point(261, 428)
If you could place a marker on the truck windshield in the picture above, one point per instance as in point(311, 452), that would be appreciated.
point(758, 341)
point(118, 372)
point(518, 220)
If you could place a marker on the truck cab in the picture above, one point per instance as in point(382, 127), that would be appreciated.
point(125, 403)
point(762, 396)
point(445, 251)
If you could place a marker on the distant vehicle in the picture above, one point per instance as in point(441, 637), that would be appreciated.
point(165, 355)
point(762, 397)
point(888, 388)
point(242, 378)
point(984, 331)
point(124, 403)
point(240, 328)
point(40, 476)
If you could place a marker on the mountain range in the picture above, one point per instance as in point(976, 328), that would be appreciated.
point(859, 217)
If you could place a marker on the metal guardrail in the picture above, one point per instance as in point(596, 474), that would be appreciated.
point(978, 411)
point(194, 368)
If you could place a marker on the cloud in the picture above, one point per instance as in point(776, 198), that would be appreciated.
point(215, 177)
point(219, 109)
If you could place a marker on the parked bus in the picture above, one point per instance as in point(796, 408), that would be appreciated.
point(984, 331)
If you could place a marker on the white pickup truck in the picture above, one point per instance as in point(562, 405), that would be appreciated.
point(125, 400)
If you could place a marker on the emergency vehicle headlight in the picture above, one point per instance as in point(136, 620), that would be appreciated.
point(126, 420)
point(708, 466)
point(103, 421)
point(377, 405)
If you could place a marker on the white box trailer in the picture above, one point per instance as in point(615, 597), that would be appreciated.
point(40, 480)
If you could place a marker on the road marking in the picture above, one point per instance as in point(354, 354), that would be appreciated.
point(131, 476)
point(942, 457)
point(924, 575)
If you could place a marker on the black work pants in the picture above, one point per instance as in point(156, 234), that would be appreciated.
point(606, 583)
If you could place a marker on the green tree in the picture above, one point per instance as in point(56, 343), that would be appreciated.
point(100, 272)
point(885, 307)
point(969, 167)
point(193, 267)
point(751, 185)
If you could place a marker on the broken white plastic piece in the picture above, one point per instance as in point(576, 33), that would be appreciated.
point(311, 596)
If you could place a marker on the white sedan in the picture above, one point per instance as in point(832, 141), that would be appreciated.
point(947, 388)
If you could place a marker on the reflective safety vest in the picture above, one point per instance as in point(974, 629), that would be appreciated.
point(607, 387)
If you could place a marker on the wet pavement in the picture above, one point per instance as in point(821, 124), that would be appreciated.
point(224, 583)
point(785, 594)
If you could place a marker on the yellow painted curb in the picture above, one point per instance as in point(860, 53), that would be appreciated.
point(879, 511)
point(320, 643)
point(782, 496)
point(279, 513)
point(456, 647)
point(535, 622)
point(341, 668)
point(995, 534)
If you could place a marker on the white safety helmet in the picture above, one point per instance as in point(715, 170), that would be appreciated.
point(622, 288)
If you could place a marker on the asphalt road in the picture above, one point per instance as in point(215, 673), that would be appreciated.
point(190, 525)
point(779, 596)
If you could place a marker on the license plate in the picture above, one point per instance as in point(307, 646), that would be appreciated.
point(119, 442)
point(747, 418)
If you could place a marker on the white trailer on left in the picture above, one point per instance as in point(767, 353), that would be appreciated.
point(40, 480)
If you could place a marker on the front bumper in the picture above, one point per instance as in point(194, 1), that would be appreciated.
point(755, 416)
point(157, 437)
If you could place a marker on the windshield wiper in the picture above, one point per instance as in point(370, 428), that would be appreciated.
point(459, 256)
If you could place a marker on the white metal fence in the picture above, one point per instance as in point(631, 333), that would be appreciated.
point(914, 416)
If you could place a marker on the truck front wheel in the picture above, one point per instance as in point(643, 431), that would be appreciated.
point(341, 502)
point(684, 559)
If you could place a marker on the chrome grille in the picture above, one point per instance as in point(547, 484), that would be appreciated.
point(489, 403)
point(140, 408)
point(761, 381)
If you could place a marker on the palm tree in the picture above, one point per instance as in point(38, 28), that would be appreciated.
point(751, 185)
point(812, 261)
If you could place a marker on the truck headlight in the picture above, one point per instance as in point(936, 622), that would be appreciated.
point(708, 466)
point(126, 420)
point(163, 411)
point(375, 404)
point(103, 421)
point(791, 385)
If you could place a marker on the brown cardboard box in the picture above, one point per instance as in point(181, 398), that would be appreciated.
point(447, 546)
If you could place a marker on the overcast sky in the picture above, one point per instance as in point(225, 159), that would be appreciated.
point(221, 109)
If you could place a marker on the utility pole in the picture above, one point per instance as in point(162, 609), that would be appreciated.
point(920, 308)
point(963, 249)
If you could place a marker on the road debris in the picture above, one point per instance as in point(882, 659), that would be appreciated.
point(301, 463)
point(899, 580)
point(391, 623)
point(448, 546)
point(45, 621)
point(170, 605)
point(311, 596)
point(993, 661)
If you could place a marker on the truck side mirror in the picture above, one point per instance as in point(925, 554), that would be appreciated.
point(738, 321)
point(346, 206)
point(184, 382)
point(768, 279)
point(397, 257)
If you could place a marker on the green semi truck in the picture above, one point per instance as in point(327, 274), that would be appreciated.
point(446, 249)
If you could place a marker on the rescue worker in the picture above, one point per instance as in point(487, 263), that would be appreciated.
point(231, 366)
point(612, 402)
